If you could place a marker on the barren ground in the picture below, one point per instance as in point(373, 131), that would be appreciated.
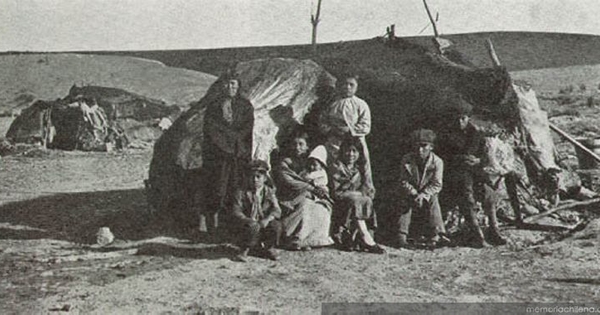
point(52, 203)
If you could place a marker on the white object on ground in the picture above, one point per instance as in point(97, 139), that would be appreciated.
point(104, 236)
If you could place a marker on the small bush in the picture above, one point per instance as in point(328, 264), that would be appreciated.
point(563, 112)
point(567, 89)
point(582, 87)
point(566, 100)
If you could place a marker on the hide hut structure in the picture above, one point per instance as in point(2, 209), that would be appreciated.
point(282, 92)
point(407, 87)
point(91, 118)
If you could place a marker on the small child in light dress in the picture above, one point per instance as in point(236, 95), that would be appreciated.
point(317, 161)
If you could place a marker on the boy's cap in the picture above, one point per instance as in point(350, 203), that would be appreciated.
point(423, 136)
point(319, 153)
point(258, 165)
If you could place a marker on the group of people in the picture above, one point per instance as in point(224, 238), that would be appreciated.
point(320, 194)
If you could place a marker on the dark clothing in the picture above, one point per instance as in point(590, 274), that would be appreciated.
point(457, 142)
point(227, 149)
point(461, 178)
point(417, 178)
point(249, 208)
point(252, 234)
point(426, 221)
point(466, 184)
point(353, 201)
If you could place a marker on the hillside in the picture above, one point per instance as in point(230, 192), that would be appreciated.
point(517, 51)
point(526, 50)
point(555, 79)
point(25, 77)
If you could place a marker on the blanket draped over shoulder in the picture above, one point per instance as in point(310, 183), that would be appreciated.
point(306, 218)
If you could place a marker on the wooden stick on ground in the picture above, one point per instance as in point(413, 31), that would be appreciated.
point(572, 205)
point(575, 142)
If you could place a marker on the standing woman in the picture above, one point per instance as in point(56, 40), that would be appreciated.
point(306, 208)
point(353, 214)
point(347, 116)
point(228, 124)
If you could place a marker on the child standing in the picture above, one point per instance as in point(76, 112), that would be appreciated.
point(348, 116)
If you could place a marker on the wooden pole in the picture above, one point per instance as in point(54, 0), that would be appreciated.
point(314, 20)
point(435, 31)
point(575, 142)
point(492, 52)
point(534, 218)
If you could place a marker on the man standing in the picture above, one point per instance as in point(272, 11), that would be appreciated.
point(462, 147)
point(421, 174)
point(257, 213)
point(228, 124)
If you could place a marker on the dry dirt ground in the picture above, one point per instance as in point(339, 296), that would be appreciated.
point(52, 203)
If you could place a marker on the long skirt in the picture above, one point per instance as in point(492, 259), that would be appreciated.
point(308, 224)
point(349, 208)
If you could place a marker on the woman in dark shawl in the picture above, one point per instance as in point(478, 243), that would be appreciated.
point(228, 124)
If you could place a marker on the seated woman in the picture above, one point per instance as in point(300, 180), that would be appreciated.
point(353, 214)
point(306, 207)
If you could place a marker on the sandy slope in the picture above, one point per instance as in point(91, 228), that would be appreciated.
point(48, 222)
point(49, 76)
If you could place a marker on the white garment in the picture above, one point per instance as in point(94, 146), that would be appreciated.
point(351, 112)
point(318, 178)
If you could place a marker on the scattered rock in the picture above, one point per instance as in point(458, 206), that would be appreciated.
point(59, 308)
point(48, 273)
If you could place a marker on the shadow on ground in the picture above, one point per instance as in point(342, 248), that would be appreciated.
point(577, 280)
point(76, 217)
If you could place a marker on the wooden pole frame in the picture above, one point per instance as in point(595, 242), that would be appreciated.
point(492, 52)
point(435, 30)
point(314, 20)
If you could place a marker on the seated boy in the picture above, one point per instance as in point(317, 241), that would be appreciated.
point(257, 211)
point(420, 183)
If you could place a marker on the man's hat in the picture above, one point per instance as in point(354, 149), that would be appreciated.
point(258, 165)
point(423, 136)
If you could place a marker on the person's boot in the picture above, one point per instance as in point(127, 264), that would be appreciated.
point(271, 254)
point(374, 249)
point(495, 237)
point(402, 241)
point(477, 237)
point(433, 241)
point(242, 256)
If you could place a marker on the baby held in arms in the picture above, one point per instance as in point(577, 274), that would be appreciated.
point(317, 164)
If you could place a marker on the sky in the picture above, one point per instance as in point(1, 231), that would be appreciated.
point(72, 25)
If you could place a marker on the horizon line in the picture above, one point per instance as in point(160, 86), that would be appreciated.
point(272, 46)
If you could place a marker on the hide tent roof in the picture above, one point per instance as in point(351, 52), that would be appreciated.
point(406, 87)
point(282, 91)
point(137, 115)
point(28, 125)
point(130, 105)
